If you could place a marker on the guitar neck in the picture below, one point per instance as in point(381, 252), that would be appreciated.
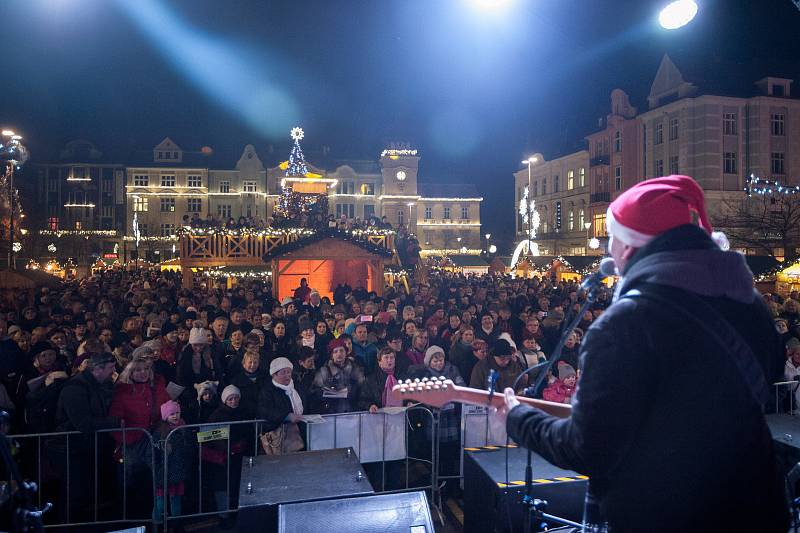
point(481, 397)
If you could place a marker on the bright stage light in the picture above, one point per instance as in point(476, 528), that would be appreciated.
point(677, 14)
point(492, 249)
point(490, 5)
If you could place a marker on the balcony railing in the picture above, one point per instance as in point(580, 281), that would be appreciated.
point(599, 160)
point(221, 247)
point(599, 197)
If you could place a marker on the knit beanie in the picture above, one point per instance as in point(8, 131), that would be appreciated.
point(206, 386)
point(565, 370)
point(279, 363)
point(230, 390)
point(198, 336)
point(167, 327)
point(170, 407)
point(430, 352)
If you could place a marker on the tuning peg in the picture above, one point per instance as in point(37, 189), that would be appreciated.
point(444, 386)
point(437, 386)
point(416, 380)
point(424, 380)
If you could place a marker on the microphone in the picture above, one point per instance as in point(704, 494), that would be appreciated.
point(491, 381)
point(607, 268)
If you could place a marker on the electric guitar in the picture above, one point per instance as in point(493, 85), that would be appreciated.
point(438, 391)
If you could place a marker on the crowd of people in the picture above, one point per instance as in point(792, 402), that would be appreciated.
point(135, 350)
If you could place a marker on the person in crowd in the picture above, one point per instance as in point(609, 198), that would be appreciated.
point(197, 362)
point(562, 389)
point(222, 459)
point(305, 370)
point(502, 360)
point(364, 351)
point(302, 292)
point(487, 331)
point(207, 402)
point(250, 379)
point(176, 447)
point(377, 390)
point(338, 382)
point(280, 343)
point(281, 404)
point(415, 354)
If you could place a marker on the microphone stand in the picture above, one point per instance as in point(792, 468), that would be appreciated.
point(535, 505)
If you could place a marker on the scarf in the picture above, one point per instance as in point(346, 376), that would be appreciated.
point(387, 400)
point(297, 403)
point(309, 342)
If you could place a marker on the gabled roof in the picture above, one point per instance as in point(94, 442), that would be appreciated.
point(328, 233)
point(447, 190)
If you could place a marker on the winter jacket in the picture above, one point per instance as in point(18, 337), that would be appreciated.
point(350, 376)
point(84, 405)
point(506, 378)
point(558, 392)
point(138, 405)
point(663, 421)
point(250, 390)
point(274, 405)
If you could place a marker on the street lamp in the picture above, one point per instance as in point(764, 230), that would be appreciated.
point(488, 236)
point(14, 154)
point(587, 225)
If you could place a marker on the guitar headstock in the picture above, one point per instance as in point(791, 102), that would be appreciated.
point(435, 391)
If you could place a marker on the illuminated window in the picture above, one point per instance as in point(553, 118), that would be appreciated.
point(582, 177)
point(581, 218)
point(52, 223)
point(168, 205)
point(570, 180)
point(599, 224)
point(368, 188)
point(571, 220)
point(140, 204)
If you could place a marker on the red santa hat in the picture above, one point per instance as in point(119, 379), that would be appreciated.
point(655, 206)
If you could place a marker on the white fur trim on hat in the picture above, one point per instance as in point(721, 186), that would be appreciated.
point(198, 336)
point(629, 236)
point(278, 364)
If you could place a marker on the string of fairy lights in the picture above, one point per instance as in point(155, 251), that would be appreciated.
point(763, 186)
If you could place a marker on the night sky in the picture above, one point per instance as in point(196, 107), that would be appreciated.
point(474, 91)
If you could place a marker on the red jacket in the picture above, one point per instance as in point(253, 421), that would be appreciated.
point(138, 406)
point(558, 392)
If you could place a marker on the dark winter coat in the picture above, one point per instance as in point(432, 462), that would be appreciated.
point(663, 421)
point(274, 405)
point(84, 405)
point(250, 391)
point(179, 450)
point(334, 377)
point(218, 463)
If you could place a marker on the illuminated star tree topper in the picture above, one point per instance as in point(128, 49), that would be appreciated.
point(297, 161)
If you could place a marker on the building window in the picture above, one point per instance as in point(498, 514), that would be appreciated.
point(599, 224)
point(659, 168)
point(582, 177)
point(168, 180)
point(143, 230)
point(52, 223)
point(673, 164)
point(571, 220)
point(618, 141)
point(730, 162)
point(778, 124)
point(535, 188)
point(224, 211)
point(369, 211)
point(447, 213)
point(555, 184)
point(140, 204)
point(347, 210)
point(345, 187)
point(107, 211)
point(777, 162)
point(544, 186)
point(400, 217)
point(659, 133)
point(570, 180)
point(108, 185)
point(428, 213)
point(167, 230)
point(368, 189)
point(464, 212)
point(581, 218)
point(193, 205)
point(168, 205)
point(249, 186)
point(193, 180)
point(141, 180)
point(225, 186)
point(673, 129)
point(618, 178)
point(729, 124)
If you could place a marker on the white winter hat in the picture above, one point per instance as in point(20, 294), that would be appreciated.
point(279, 363)
point(198, 336)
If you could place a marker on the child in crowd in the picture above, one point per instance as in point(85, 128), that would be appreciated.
point(562, 389)
point(176, 446)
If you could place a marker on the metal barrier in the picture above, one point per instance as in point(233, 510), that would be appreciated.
point(345, 438)
point(60, 462)
point(204, 434)
point(787, 388)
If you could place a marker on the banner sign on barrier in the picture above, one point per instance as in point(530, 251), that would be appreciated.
point(216, 433)
point(374, 437)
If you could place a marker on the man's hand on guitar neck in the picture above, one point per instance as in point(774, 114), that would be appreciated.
point(510, 403)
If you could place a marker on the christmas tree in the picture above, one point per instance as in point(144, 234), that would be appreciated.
point(294, 208)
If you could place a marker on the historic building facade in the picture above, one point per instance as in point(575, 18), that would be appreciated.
point(718, 140)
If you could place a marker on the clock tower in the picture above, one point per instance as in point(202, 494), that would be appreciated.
point(399, 166)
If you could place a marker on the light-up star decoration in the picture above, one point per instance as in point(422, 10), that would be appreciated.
point(530, 218)
point(297, 133)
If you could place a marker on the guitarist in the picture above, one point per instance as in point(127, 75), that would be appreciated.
point(668, 416)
